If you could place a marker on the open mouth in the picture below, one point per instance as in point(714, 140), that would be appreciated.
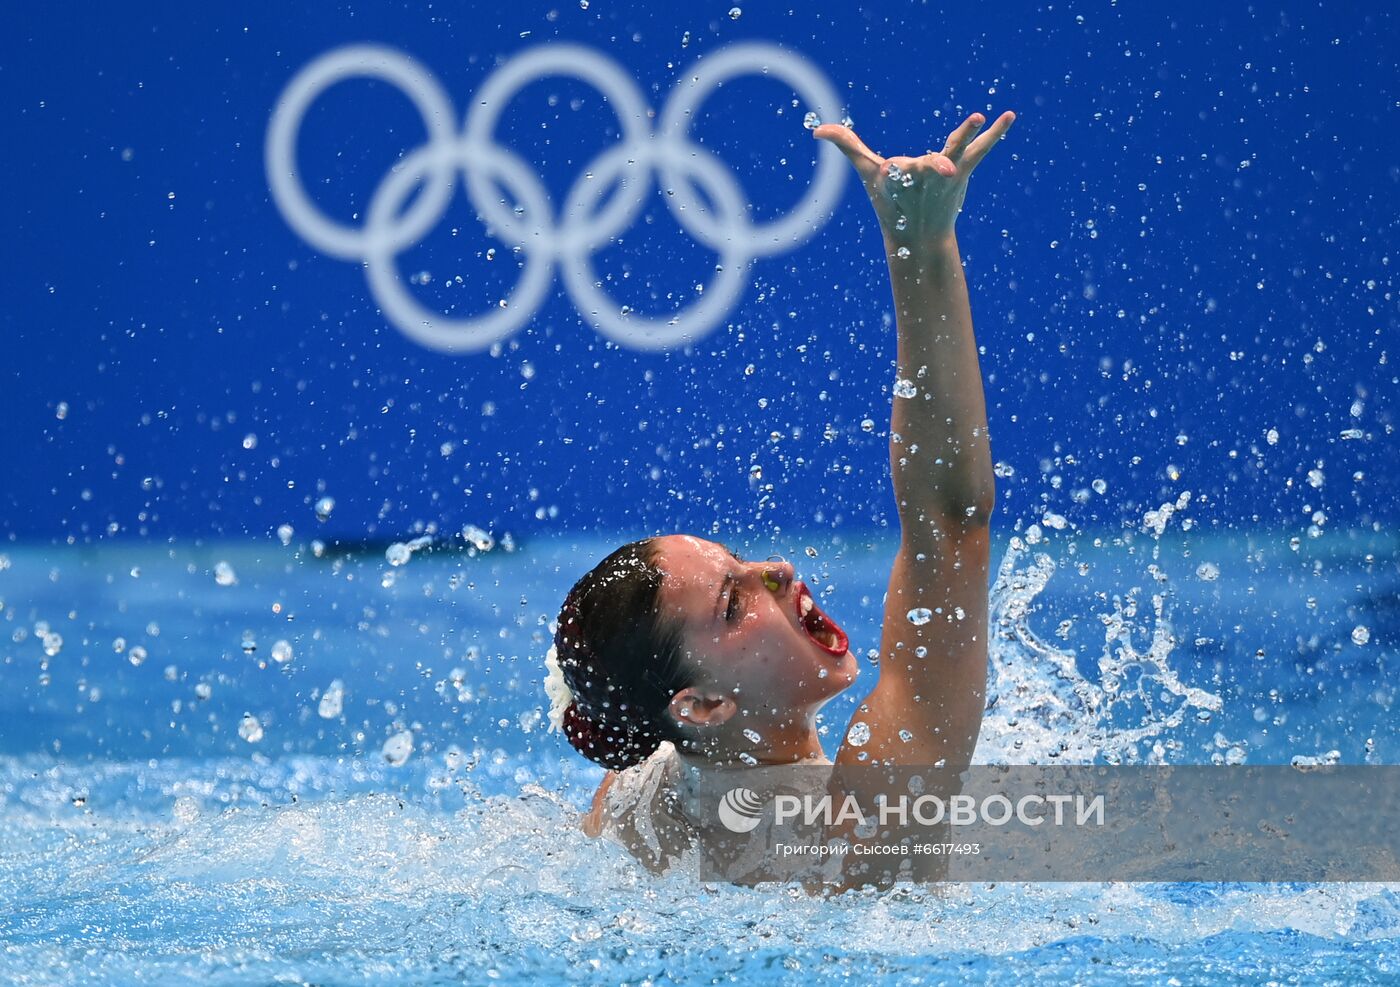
point(819, 627)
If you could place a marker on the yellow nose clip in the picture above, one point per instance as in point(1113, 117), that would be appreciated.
point(770, 582)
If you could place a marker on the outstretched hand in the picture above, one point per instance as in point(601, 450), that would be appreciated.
point(917, 199)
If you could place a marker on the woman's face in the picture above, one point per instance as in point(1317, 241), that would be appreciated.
point(751, 629)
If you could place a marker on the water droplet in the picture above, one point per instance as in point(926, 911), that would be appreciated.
point(811, 121)
point(185, 809)
point(810, 551)
point(282, 652)
point(250, 441)
point(1208, 572)
point(1100, 486)
point(224, 574)
point(332, 700)
point(53, 643)
point(61, 411)
point(735, 13)
point(902, 253)
point(136, 655)
point(859, 734)
point(398, 748)
point(919, 616)
point(1320, 760)
point(905, 736)
point(867, 425)
point(250, 729)
point(480, 540)
point(398, 554)
point(324, 507)
point(901, 223)
point(1271, 436)
point(1360, 634)
point(752, 736)
point(905, 389)
point(284, 533)
point(249, 644)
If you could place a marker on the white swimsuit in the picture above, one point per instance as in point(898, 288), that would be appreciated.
point(646, 796)
point(659, 808)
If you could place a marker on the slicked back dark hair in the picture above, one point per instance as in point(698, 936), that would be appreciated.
point(621, 657)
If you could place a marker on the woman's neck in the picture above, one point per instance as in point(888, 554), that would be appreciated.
point(788, 743)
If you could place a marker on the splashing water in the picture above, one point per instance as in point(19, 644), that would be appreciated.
point(466, 862)
point(467, 885)
point(332, 702)
point(400, 553)
point(1041, 708)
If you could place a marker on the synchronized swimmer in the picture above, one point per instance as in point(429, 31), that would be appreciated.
point(674, 657)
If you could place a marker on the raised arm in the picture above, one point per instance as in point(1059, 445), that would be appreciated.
point(926, 707)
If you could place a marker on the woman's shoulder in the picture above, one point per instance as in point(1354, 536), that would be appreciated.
point(593, 822)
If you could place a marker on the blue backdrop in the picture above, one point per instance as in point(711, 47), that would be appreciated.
point(1187, 241)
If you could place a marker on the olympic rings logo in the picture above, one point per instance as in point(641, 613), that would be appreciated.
point(720, 220)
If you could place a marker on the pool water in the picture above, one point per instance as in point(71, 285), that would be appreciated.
point(180, 799)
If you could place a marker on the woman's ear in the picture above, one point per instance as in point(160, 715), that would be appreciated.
point(698, 708)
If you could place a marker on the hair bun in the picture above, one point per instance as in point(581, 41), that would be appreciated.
point(616, 745)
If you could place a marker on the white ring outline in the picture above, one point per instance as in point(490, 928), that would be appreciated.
point(548, 61)
point(571, 237)
point(644, 332)
point(712, 72)
point(434, 329)
point(284, 178)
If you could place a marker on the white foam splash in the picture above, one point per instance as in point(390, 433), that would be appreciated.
point(1043, 708)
